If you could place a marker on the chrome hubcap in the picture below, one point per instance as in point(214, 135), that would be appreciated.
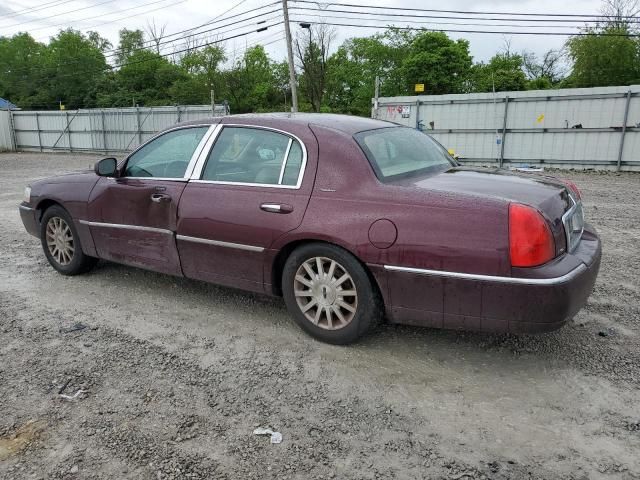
point(325, 293)
point(60, 240)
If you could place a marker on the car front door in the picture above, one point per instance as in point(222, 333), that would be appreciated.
point(252, 187)
point(133, 217)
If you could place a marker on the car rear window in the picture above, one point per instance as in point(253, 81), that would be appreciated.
point(399, 152)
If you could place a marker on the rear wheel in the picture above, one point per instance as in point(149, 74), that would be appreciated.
point(61, 243)
point(329, 293)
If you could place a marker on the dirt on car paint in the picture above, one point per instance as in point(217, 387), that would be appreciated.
point(176, 374)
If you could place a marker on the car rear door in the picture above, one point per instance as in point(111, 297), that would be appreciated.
point(133, 218)
point(251, 187)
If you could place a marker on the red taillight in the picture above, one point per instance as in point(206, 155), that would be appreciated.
point(530, 240)
point(574, 188)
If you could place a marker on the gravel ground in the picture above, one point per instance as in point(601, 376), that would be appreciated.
point(175, 374)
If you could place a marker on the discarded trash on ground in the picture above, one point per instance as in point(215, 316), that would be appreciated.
point(74, 396)
point(528, 168)
point(276, 437)
point(74, 328)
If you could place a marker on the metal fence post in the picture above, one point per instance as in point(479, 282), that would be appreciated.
point(418, 114)
point(38, 128)
point(504, 129)
point(138, 125)
point(14, 136)
point(66, 115)
point(104, 133)
point(624, 129)
point(178, 113)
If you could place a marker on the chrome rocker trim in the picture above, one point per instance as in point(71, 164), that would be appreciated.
point(490, 278)
point(218, 243)
point(127, 227)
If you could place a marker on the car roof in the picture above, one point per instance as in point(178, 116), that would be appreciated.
point(346, 123)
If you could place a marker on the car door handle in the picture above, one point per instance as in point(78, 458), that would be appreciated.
point(276, 207)
point(160, 197)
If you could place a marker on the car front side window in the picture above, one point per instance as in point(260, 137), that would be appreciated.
point(254, 156)
point(166, 156)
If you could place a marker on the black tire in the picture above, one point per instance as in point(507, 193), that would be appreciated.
point(368, 304)
point(79, 262)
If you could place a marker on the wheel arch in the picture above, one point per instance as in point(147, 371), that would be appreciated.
point(286, 250)
point(45, 204)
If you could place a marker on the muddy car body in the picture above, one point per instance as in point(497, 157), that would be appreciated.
point(347, 218)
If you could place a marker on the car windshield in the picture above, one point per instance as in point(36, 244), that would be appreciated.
point(399, 152)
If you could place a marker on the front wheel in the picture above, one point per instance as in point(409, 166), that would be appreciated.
point(61, 243)
point(329, 293)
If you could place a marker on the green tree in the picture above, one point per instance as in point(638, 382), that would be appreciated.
point(442, 64)
point(503, 72)
point(74, 85)
point(23, 79)
point(130, 41)
point(250, 83)
point(312, 50)
point(354, 66)
point(544, 72)
point(604, 57)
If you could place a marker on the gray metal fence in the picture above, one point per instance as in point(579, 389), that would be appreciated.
point(99, 130)
point(577, 128)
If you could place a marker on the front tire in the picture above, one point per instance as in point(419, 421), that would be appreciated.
point(61, 243)
point(329, 293)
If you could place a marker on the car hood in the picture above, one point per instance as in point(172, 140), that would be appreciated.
point(79, 176)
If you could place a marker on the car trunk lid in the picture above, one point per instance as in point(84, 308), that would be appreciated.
point(549, 195)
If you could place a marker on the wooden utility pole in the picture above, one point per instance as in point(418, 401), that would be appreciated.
point(292, 71)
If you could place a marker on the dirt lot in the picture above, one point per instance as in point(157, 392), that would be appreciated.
point(178, 373)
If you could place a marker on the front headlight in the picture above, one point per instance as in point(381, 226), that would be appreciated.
point(27, 194)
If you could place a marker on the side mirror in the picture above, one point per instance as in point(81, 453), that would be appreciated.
point(107, 167)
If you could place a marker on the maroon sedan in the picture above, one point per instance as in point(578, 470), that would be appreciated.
point(347, 218)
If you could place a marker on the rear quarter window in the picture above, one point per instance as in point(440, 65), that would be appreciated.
point(398, 152)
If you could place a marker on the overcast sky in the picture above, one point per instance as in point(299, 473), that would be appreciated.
point(179, 15)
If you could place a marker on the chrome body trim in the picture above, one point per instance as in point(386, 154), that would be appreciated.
point(25, 208)
point(164, 179)
point(196, 176)
point(218, 243)
point(568, 215)
point(204, 153)
point(284, 161)
point(491, 278)
point(271, 207)
point(127, 227)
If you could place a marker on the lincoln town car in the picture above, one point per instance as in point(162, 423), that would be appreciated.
point(351, 220)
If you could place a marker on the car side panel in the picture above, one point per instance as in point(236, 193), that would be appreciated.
point(434, 231)
point(219, 214)
point(72, 192)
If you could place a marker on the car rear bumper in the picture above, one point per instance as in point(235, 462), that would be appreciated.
point(531, 300)
point(29, 219)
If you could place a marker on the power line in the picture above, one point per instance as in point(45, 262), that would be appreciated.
point(112, 13)
point(191, 29)
point(37, 8)
point(58, 14)
point(466, 12)
point(413, 15)
point(498, 32)
point(427, 22)
point(213, 29)
point(114, 52)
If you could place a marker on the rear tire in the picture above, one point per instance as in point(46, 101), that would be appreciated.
point(61, 243)
point(329, 293)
